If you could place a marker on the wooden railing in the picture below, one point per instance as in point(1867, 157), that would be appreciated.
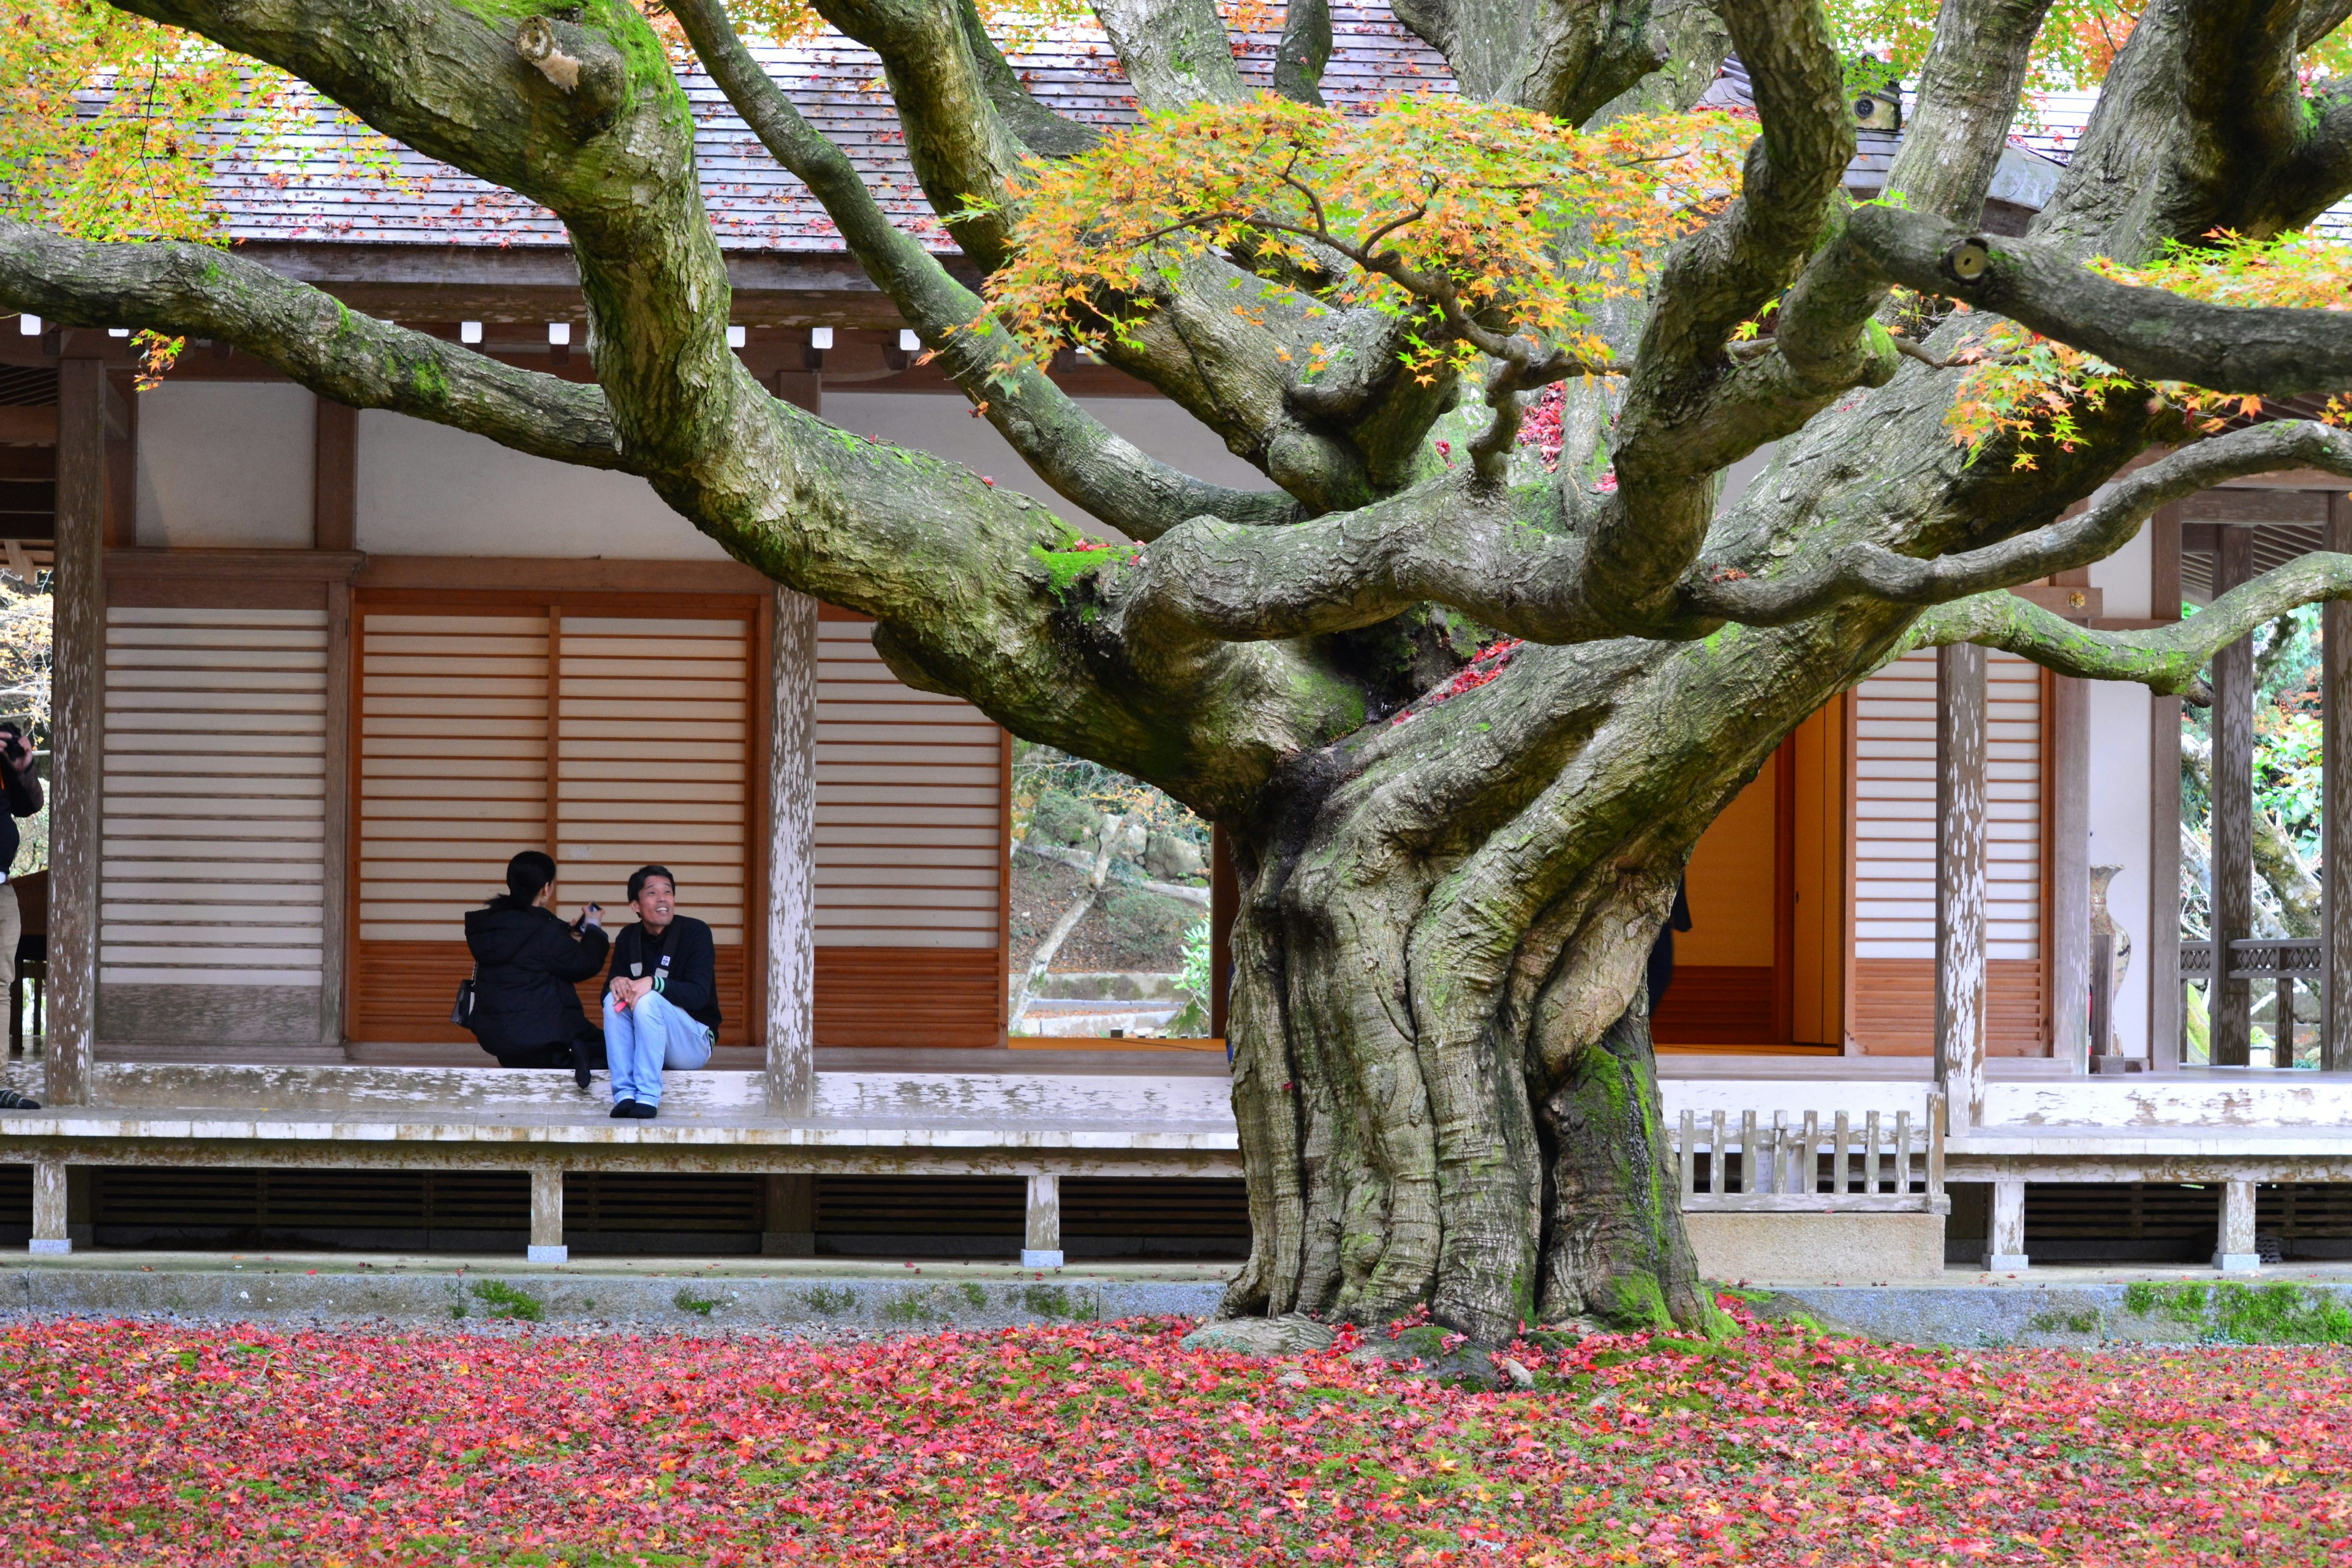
point(1796, 1167)
point(2291, 964)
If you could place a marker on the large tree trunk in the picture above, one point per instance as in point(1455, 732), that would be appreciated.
point(1442, 1059)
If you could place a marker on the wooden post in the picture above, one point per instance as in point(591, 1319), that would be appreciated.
point(547, 1216)
point(2231, 1007)
point(51, 1214)
point(791, 859)
point(1225, 904)
point(1960, 881)
point(335, 477)
point(2005, 1248)
point(788, 1216)
point(2163, 944)
point(1041, 1246)
point(2070, 872)
point(78, 677)
point(2336, 816)
point(2235, 1251)
point(334, 950)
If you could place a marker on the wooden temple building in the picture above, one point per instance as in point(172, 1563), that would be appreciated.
point(317, 673)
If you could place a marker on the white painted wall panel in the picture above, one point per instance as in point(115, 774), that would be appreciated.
point(225, 465)
point(426, 489)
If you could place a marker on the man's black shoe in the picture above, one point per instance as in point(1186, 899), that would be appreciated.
point(641, 1110)
point(11, 1100)
point(580, 1064)
point(625, 1109)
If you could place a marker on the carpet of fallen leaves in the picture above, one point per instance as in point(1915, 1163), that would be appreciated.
point(159, 1444)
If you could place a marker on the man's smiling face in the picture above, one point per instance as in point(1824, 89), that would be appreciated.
point(656, 902)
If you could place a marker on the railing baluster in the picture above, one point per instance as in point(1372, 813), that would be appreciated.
point(1903, 1151)
point(1717, 1182)
point(1748, 1183)
point(1871, 1144)
point(1689, 1154)
point(1838, 1157)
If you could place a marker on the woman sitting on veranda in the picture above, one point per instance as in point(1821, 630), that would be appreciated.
point(527, 962)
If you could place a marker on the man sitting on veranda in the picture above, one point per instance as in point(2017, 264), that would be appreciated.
point(662, 1007)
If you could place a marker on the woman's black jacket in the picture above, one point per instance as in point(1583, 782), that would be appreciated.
point(525, 966)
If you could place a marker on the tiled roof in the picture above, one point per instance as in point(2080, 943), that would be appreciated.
point(321, 195)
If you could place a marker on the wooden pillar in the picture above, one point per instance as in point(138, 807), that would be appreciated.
point(121, 460)
point(51, 1212)
point(335, 477)
point(788, 1216)
point(547, 1216)
point(2335, 813)
point(2070, 872)
point(1041, 1245)
point(802, 389)
point(2234, 1250)
point(2232, 899)
point(1961, 882)
point(2005, 1248)
point(2163, 937)
point(76, 715)
point(791, 857)
point(1225, 903)
point(334, 890)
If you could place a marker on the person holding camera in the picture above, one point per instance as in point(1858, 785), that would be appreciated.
point(527, 962)
point(661, 1009)
point(22, 787)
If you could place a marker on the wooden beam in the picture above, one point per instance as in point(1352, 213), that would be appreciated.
point(335, 477)
point(2075, 601)
point(121, 460)
point(537, 575)
point(792, 857)
point(2336, 816)
point(77, 719)
point(334, 962)
point(2263, 506)
point(2162, 944)
point(2070, 871)
point(1960, 881)
point(2232, 900)
point(29, 427)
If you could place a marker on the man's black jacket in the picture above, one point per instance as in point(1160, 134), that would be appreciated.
point(526, 965)
point(691, 982)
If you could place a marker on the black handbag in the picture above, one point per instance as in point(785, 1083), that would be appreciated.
point(461, 1011)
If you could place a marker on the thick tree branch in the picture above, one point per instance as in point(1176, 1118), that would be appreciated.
point(1688, 410)
point(2167, 660)
point(1565, 58)
point(2151, 334)
point(1071, 451)
point(336, 352)
point(1870, 570)
point(2194, 130)
point(1175, 51)
point(1305, 50)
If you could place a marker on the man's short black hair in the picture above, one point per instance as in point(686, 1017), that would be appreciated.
point(637, 880)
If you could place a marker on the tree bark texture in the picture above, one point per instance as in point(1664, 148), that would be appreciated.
point(1451, 852)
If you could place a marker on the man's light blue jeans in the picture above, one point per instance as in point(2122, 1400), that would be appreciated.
point(646, 1038)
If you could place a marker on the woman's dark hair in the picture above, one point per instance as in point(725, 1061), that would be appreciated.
point(526, 873)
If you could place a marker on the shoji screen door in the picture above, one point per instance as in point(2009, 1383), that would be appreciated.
point(1894, 858)
point(608, 729)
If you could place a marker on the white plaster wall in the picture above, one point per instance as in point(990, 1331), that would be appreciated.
point(226, 464)
point(427, 489)
point(942, 425)
point(2120, 715)
point(2121, 755)
point(2125, 577)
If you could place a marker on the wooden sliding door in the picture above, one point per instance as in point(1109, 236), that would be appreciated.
point(1892, 1010)
point(910, 854)
point(580, 724)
